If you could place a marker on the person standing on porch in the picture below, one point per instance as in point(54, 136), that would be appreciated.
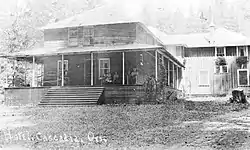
point(116, 78)
point(134, 76)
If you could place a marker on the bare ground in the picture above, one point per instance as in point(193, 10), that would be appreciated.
point(174, 126)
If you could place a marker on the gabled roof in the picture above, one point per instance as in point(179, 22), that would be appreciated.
point(164, 38)
point(219, 37)
point(106, 14)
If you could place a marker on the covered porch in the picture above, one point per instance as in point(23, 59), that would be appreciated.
point(121, 71)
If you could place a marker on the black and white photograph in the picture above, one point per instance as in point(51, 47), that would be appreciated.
point(124, 75)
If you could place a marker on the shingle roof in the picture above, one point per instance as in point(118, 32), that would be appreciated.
point(106, 14)
point(220, 37)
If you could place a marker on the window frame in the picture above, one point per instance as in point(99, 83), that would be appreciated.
point(220, 69)
point(99, 67)
point(208, 84)
point(91, 33)
point(73, 37)
point(238, 79)
point(59, 65)
point(219, 48)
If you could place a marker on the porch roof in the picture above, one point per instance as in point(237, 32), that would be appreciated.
point(85, 50)
point(79, 50)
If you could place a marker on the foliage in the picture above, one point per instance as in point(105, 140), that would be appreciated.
point(156, 90)
point(23, 34)
point(220, 61)
point(242, 60)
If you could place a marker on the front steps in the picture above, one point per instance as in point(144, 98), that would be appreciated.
point(73, 96)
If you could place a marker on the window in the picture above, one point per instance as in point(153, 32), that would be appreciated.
point(203, 78)
point(221, 69)
point(73, 34)
point(220, 51)
point(88, 36)
point(231, 51)
point(59, 65)
point(243, 77)
point(242, 51)
point(104, 66)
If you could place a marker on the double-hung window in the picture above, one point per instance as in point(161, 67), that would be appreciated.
point(104, 66)
point(73, 36)
point(204, 78)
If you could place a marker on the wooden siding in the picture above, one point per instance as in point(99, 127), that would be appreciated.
point(24, 96)
point(144, 37)
point(78, 73)
point(113, 94)
point(112, 34)
point(199, 52)
point(218, 83)
point(55, 44)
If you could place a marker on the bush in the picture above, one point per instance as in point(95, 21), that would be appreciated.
point(220, 61)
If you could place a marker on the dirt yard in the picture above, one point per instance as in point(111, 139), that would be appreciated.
point(186, 125)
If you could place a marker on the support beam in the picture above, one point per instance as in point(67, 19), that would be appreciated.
point(177, 77)
point(33, 71)
point(173, 76)
point(162, 59)
point(247, 51)
point(225, 52)
point(168, 58)
point(62, 80)
point(237, 51)
point(168, 72)
point(156, 65)
point(25, 73)
point(215, 51)
point(92, 69)
point(123, 68)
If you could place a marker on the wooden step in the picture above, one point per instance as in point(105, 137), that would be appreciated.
point(72, 96)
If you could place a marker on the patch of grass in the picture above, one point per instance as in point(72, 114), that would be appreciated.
point(123, 125)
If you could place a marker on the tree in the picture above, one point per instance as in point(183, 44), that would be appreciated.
point(23, 33)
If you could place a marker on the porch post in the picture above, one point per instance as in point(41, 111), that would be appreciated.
point(215, 51)
point(33, 71)
point(173, 77)
point(237, 51)
point(92, 69)
point(25, 74)
point(62, 70)
point(247, 51)
point(177, 77)
point(225, 52)
point(168, 72)
point(156, 65)
point(123, 68)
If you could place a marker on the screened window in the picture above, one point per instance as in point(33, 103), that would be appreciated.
point(59, 65)
point(242, 51)
point(73, 34)
point(221, 69)
point(204, 78)
point(231, 51)
point(243, 77)
point(104, 66)
point(88, 36)
point(220, 51)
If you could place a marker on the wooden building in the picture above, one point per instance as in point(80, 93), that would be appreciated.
point(202, 76)
point(88, 60)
